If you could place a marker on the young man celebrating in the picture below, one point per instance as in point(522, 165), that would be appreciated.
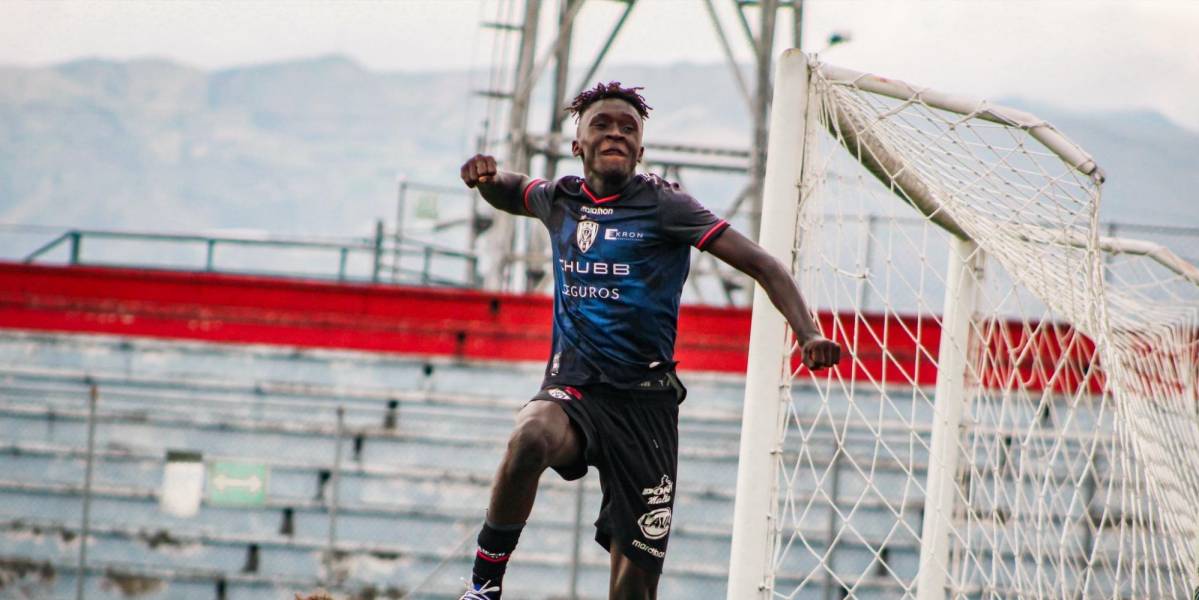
point(621, 250)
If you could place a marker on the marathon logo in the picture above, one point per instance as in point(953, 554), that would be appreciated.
point(644, 547)
point(596, 210)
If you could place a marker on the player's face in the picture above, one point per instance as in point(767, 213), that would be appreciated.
point(609, 139)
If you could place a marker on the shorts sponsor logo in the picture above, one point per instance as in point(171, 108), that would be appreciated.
point(596, 210)
point(612, 233)
point(557, 363)
point(655, 524)
point(585, 233)
point(557, 393)
point(659, 494)
point(654, 552)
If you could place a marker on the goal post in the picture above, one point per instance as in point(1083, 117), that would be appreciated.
point(753, 511)
point(964, 264)
point(1016, 413)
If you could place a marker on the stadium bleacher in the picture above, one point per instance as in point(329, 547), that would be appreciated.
point(419, 441)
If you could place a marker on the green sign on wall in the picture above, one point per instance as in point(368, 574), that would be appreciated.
point(237, 484)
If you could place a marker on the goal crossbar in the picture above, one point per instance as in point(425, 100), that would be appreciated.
point(1043, 131)
point(1120, 245)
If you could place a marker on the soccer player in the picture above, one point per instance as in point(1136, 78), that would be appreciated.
point(621, 252)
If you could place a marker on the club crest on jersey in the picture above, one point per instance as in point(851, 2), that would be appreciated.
point(585, 234)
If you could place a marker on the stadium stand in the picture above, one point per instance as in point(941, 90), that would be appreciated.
point(395, 511)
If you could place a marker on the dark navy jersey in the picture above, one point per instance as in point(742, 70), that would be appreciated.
point(619, 267)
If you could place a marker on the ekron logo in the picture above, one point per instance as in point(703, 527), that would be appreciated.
point(612, 233)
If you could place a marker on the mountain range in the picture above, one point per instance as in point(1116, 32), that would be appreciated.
point(315, 146)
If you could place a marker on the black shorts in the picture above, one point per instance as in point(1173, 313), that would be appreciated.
point(632, 438)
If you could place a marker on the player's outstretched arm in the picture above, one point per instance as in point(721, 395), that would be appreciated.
point(744, 255)
point(500, 189)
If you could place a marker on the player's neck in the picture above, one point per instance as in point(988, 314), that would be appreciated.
point(607, 186)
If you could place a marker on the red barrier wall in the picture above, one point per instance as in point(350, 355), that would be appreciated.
point(269, 310)
point(467, 324)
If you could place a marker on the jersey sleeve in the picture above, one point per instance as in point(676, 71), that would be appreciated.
point(532, 199)
point(685, 220)
point(536, 198)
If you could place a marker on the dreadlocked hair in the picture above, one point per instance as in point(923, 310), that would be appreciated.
point(603, 91)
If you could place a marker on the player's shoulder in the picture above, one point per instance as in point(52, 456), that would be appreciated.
point(569, 181)
point(557, 190)
point(569, 184)
point(660, 186)
point(669, 196)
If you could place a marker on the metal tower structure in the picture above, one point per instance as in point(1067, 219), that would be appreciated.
point(516, 255)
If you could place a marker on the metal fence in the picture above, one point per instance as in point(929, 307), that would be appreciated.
point(391, 257)
point(384, 257)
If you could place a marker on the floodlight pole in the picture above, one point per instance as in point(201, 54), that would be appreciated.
point(503, 240)
point(538, 254)
point(763, 49)
point(965, 261)
point(503, 230)
point(767, 378)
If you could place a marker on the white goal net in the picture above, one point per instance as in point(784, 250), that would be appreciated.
point(1017, 412)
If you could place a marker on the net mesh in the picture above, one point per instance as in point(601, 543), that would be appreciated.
point(1074, 471)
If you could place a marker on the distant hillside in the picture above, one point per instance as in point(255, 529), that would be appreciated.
point(314, 146)
point(1152, 164)
point(310, 146)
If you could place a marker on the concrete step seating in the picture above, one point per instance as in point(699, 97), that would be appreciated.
point(419, 443)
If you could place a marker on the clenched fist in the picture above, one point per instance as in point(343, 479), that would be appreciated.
point(479, 168)
point(820, 352)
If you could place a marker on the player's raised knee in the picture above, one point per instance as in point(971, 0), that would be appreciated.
point(531, 444)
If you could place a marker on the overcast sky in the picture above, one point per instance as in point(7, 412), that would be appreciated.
point(1087, 54)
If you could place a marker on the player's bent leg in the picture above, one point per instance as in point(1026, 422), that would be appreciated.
point(629, 581)
point(543, 437)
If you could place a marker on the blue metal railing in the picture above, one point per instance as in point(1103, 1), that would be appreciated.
point(389, 258)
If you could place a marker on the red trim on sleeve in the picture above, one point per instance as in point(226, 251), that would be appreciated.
point(717, 228)
point(528, 188)
point(598, 200)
